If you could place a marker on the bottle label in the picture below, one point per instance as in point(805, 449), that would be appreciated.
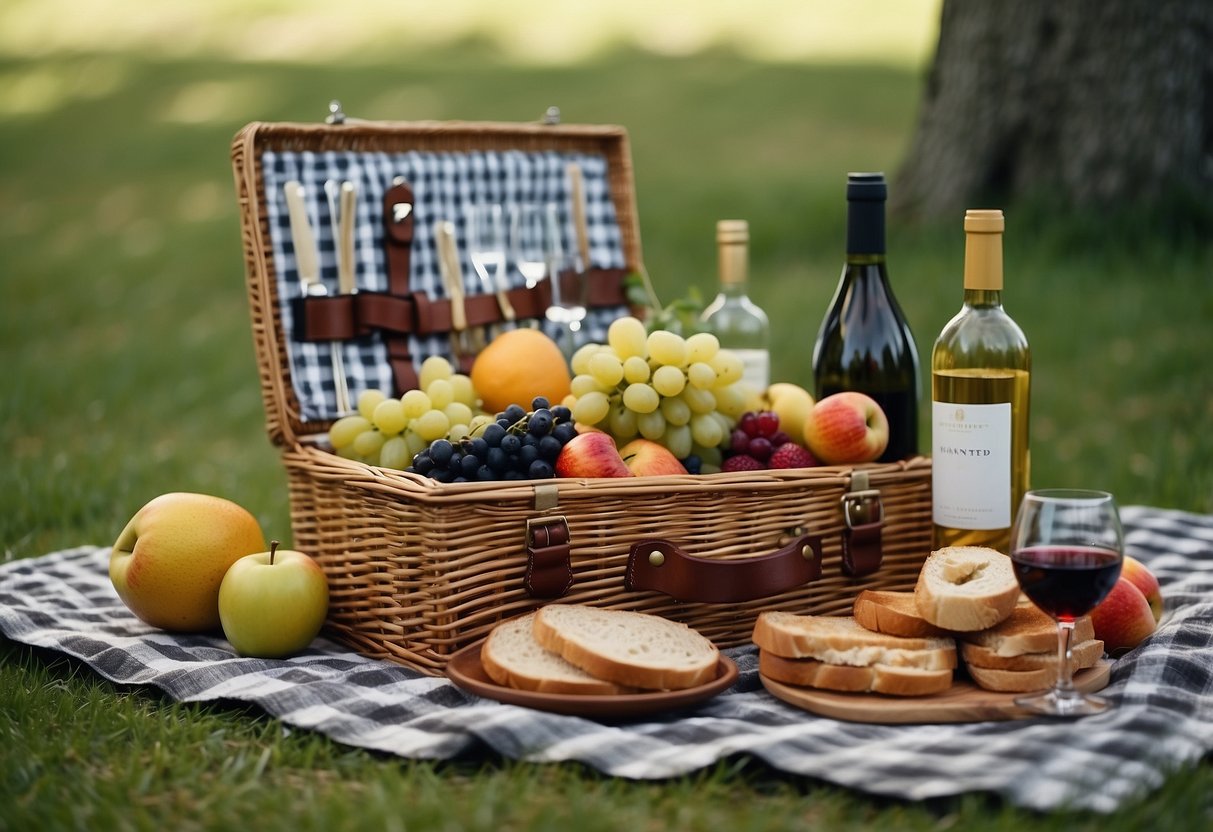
point(757, 367)
point(971, 465)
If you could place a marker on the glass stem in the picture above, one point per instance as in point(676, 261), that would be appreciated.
point(1065, 669)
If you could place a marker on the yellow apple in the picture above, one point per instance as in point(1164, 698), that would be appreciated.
point(791, 404)
point(272, 604)
point(169, 561)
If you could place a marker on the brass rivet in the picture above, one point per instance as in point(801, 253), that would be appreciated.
point(656, 558)
point(806, 552)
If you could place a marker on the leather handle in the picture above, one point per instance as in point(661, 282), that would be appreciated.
point(663, 567)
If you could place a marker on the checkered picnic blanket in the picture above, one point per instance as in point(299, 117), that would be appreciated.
point(1162, 691)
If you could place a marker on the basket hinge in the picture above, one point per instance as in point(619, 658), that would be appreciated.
point(863, 521)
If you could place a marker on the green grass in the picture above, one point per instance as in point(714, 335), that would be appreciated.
point(130, 372)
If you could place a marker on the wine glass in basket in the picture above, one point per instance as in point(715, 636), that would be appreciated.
point(1067, 547)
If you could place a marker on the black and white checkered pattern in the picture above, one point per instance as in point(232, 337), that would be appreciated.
point(1162, 692)
point(445, 186)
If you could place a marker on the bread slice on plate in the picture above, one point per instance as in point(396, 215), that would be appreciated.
point(1024, 681)
point(628, 648)
point(841, 640)
point(1027, 630)
point(895, 613)
point(1084, 654)
point(878, 678)
point(966, 588)
point(513, 658)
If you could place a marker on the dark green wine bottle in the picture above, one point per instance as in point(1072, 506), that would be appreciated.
point(865, 343)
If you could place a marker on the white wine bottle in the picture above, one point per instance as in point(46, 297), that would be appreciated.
point(980, 373)
point(738, 323)
point(865, 343)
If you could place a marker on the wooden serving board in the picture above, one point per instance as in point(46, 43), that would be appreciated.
point(965, 702)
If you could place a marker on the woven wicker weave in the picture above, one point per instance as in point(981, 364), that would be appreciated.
point(418, 569)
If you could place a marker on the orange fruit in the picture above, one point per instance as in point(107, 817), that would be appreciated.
point(517, 366)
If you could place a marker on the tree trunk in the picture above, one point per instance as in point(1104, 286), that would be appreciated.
point(1087, 101)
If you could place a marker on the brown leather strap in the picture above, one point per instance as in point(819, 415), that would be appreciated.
point(398, 244)
point(324, 318)
point(661, 566)
point(549, 573)
point(861, 554)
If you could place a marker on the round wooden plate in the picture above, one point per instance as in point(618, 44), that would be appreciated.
point(965, 702)
point(465, 670)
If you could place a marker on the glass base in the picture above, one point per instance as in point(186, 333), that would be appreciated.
point(1060, 702)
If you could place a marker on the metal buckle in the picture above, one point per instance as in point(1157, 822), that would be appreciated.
point(861, 505)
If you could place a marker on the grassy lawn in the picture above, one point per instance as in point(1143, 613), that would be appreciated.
point(130, 372)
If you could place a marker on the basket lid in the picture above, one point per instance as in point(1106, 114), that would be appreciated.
point(448, 165)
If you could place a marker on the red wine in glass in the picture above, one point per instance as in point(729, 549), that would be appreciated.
point(1066, 581)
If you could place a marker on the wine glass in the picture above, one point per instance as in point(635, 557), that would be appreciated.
point(486, 245)
point(527, 248)
point(1067, 547)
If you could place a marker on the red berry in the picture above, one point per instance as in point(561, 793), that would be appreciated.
point(760, 448)
point(742, 462)
point(739, 440)
point(768, 423)
point(791, 455)
point(780, 438)
point(749, 423)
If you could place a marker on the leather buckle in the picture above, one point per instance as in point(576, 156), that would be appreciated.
point(549, 573)
point(861, 505)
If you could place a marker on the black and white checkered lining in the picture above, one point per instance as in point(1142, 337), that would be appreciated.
point(444, 186)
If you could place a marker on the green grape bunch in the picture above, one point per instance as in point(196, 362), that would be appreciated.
point(388, 431)
point(682, 393)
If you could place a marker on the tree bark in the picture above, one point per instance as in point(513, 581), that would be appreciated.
point(1086, 102)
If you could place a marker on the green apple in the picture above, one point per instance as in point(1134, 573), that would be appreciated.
point(168, 562)
point(272, 604)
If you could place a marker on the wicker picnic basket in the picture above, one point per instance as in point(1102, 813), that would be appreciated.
point(418, 569)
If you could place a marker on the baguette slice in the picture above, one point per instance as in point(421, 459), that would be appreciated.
point(879, 678)
point(1084, 654)
point(628, 648)
point(1027, 630)
point(966, 588)
point(841, 640)
point(513, 658)
point(1024, 681)
point(895, 613)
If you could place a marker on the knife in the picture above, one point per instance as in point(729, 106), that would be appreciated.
point(307, 263)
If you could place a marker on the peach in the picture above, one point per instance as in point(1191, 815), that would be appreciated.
point(1141, 577)
point(646, 458)
point(1124, 619)
point(845, 428)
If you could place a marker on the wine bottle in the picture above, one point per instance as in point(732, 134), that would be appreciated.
point(865, 343)
point(980, 374)
point(738, 323)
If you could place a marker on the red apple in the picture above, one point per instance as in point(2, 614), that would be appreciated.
point(646, 458)
point(1124, 619)
point(591, 455)
point(846, 428)
point(272, 604)
point(1141, 577)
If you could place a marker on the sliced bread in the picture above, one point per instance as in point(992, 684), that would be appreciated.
point(878, 678)
point(1023, 681)
point(895, 613)
point(627, 648)
point(1026, 630)
point(1084, 654)
point(512, 657)
point(966, 588)
point(841, 640)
